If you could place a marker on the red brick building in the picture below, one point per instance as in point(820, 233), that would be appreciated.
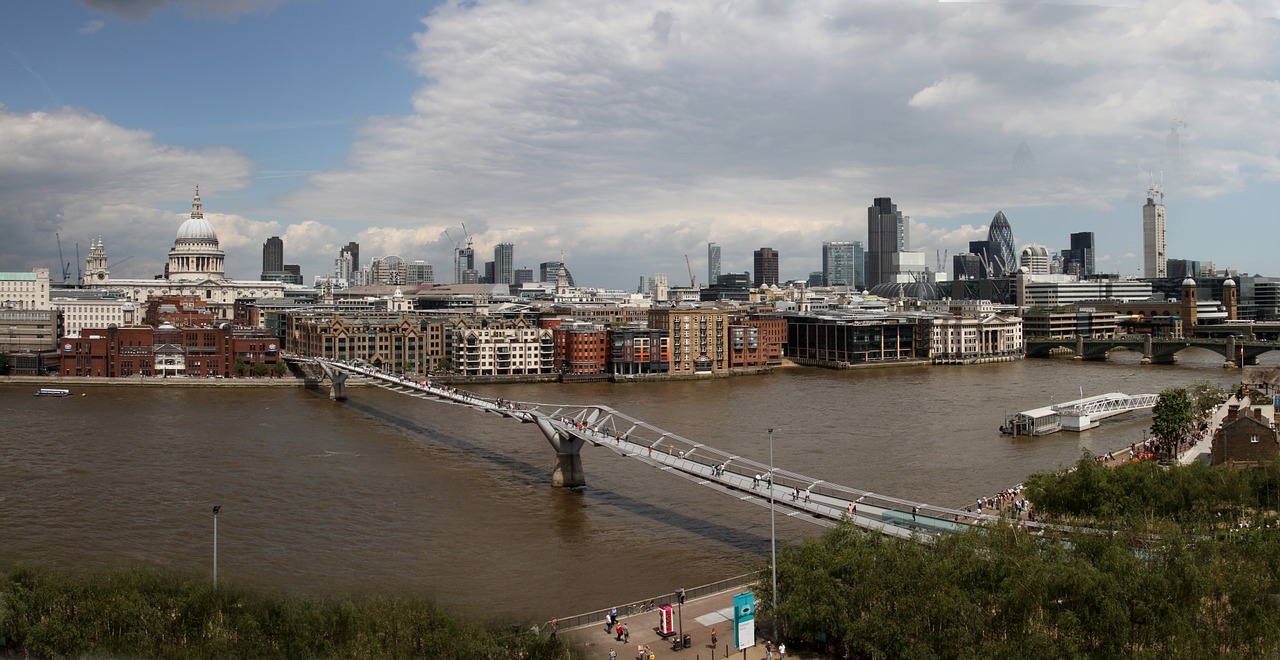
point(168, 351)
point(580, 348)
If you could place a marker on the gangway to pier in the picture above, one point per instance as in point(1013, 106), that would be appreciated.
point(795, 495)
point(1078, 415)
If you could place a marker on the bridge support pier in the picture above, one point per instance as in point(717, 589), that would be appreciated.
point(568, 471)
point(337, 385)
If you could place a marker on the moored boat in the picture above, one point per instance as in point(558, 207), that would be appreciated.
point(52, 391)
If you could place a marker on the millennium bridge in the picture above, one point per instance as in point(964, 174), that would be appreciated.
point(570, 427)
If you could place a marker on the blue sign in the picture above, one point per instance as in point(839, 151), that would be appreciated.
point(744, 620)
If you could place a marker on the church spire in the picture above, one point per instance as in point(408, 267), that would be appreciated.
point(195, 205)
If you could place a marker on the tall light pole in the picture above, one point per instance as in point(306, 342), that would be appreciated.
point(773, 542)
point(215, 546)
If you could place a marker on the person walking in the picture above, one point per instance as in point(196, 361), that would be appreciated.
point(626, 633)
point(713, 639)
point(782, 651)
point(613, 655)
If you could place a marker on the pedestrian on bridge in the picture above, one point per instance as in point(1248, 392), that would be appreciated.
point(626, 634)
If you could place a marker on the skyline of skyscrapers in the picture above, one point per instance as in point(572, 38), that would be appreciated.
point(1154, 257)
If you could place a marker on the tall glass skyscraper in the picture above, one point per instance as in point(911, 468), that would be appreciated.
point(838, 263)
point(1154, 262)
point(504, 264)
point(713, 263)
point(887, 233)
point(1003, 256)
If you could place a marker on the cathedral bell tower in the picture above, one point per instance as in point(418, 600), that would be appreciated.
point(1189, 308)
point(95, 265)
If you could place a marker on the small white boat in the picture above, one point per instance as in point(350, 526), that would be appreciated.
point(52, 391)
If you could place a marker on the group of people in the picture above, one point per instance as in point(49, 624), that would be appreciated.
point(1009, 501)
point(620, 630)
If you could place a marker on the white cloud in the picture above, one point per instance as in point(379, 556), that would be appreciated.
point(78, 174)
point(667, 126)
point(92, 26)
point(626, 135)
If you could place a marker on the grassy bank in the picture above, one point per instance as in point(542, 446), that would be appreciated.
point(144, 613)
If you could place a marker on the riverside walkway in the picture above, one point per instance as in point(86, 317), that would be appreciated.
point(794, 495)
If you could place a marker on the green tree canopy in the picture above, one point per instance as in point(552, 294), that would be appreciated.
point(1172, 415)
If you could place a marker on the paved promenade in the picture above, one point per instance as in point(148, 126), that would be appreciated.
point(700, 616)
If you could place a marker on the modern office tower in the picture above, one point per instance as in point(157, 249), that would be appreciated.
point(713, 263)
point(273, 255)
point(548, 271)
point(504, 263)
point(646, 285)
point(859, 266)
point(464, 261)
point(1181, 269)
point(522, 276)
point(1082, 249)
point(419, 272)
point(1154, 262)
point(343, 269)
point(837, 263)
point(966, 266)
point(887, 234)
point(353, 249)
point(489, 269)
point(1035, 258)
point(816, 278)
point(983, 251)
point(1001, 254)
point(766, 262)
point(388, 270)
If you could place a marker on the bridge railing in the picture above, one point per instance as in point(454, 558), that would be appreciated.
point(597, 617)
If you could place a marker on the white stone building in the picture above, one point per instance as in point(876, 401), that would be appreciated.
point(966, 340)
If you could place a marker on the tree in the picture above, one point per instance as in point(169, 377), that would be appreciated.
point(1172, 417)
point(406, 367)
point(260, 370)
point(445, 365)
point(1205, 396)
point(4, 363)
point(240, 368)
point(280, 369)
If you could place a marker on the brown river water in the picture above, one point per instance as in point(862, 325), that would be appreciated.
point(389, 494)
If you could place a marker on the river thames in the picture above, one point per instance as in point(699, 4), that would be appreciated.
point(389, 494)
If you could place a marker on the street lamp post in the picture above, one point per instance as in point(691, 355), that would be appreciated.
point(773, 542)
point(215, 546)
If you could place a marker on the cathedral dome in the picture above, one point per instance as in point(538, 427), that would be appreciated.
point(197, 229)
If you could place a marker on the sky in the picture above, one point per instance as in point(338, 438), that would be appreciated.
point(627, 135)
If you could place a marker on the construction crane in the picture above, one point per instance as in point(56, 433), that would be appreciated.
point(66, 265)
point(693, 281)
point(119, 262)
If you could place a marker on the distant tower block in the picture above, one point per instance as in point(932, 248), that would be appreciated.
point(1155, 263)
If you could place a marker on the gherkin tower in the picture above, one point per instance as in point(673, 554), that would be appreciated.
point(1004, 260)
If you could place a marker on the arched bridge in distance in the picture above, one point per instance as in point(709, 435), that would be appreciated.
point(570, 427)
point(1235, 352)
